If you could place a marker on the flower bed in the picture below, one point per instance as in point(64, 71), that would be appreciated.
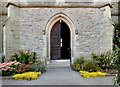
point(22, 66)
point(86, 74)
point(8, 68)
point(27, 76)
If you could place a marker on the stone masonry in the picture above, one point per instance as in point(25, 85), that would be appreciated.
point(3, 17)
point(26, 22)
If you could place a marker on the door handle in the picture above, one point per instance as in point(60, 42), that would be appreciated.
point(61, 42)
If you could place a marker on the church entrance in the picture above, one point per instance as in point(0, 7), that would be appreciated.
point(60, 41)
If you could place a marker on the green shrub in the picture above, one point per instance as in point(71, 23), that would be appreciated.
point(116, 39)
point(87, 65)
point(105, 60)
point(76, 67)
point(117, 66)
point(24, 57)
point(91, 66)
point(78, 64)
point(79, 60)
point(38, 67)
point(35, 67)
point(116, 48)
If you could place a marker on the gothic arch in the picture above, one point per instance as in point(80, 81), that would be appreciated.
point(49, 26)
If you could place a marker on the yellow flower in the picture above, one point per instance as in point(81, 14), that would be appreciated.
point(27, 76)
point(86, 74)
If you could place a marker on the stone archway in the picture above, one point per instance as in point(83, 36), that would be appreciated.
point(69, 23)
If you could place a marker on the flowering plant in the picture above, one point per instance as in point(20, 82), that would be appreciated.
point(86, 74)
point(27, 76)
point(8, 68)
point(24, 57)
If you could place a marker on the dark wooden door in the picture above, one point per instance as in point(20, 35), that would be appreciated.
point(60, 41)
point(56, 41)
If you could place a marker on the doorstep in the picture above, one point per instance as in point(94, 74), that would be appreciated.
point(59, 63)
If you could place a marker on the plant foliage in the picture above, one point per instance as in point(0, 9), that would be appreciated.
point(117, 51)
point(105, 60)
point(86, 65)
point(38, 67)
point(86, 74)
point(24, 57)
point(91, 66)
point(78, 64)
point(27, 76)
point(9, 68)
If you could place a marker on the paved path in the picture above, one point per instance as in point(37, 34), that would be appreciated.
point(62, 76)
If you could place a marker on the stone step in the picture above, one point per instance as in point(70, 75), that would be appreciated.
point(59, 63)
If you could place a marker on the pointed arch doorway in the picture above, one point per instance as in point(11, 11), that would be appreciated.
point(60, 41)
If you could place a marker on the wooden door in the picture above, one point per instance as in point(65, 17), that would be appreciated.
point(56, 41)
point(60, 41)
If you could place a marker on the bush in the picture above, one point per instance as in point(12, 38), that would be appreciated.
point(91, 66)
point(87, 65)
point(23, 68)
point(76, 67)
point(116, 39)
point(116, 48)
point(38, 67)
point(24, 57)
point(105, 60)
point(78, 64)
point(8, 68)
point(117, 66)
point(35, 67)
point(97, 63)
point(27, 76)
point(79, 60)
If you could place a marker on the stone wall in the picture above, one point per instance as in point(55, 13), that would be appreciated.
point(0, 35)
point(26, 22)
point(95, 30)
point(3, 17)
point(12, 31)
point(115, 12)
point(0, 38)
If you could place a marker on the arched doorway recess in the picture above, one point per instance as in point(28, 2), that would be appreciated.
point(51, 23)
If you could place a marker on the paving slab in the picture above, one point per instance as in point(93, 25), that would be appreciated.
point(62, 76)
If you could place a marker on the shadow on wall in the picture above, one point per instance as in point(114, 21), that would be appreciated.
point(2, 57)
